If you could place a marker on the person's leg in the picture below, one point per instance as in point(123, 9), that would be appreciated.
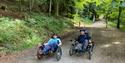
point(55, 46)
point(85, 45)
point(80, 47)
point(46, 49)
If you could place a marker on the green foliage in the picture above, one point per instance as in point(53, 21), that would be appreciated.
point(87, 21)
point(112, 24)
point(49, 23)
point(18, 34)
point(14, 34)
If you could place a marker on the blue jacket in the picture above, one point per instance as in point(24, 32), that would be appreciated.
point(54, 41)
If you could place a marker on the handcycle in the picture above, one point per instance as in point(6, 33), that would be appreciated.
point(76, 48)
point(56, 51)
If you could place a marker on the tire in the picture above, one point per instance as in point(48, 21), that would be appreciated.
point(71, 51)
point(90, 55)
point(90, 52)
point(39, 56)
point(58, 53)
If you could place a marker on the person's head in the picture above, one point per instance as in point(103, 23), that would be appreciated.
point(54, 36)
point(82, 32)
point(86, 32)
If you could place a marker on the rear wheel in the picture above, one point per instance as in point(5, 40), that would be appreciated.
point(58, 53)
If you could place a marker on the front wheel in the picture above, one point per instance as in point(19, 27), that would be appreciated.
point(58, 53)
point(39, 56)
point(71, 51)
point(90, 55)
point(90, 50)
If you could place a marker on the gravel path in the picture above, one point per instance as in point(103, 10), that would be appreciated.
point(110, 48)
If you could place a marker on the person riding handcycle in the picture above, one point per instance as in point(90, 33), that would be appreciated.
point(82, 44)
point(53, 43)
point(84, 39)
point(51, 47)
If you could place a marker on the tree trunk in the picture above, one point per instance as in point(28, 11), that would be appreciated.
point(106, 22)
point(106, 18)
point(57, 8)
point(120, 10)
point(77, 11)
point(31, 3)
point(79, 23)
point(50, 7)
point(75, 16)
point(94, 18)
point(20, 7)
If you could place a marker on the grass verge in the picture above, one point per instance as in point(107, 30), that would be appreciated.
point(17, 35)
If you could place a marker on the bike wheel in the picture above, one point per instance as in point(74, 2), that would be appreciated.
point(90, 52)
point(58, 53)
point(39, 56)
point(71, 51)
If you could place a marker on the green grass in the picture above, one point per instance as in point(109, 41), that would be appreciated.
point(87, 21)
point(84, 21)
point(122, 27)
point(113, 25)
point(16, 35)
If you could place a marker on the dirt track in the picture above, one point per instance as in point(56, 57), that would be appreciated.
point(110, 48)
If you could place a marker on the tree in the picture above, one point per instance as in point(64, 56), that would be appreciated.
point(20, 5)
point(31, 4)
point(57, 7)
point(50, 7)
point(119, 15)
point(107, 7)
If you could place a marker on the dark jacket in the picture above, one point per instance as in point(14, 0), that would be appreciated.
point(82, 38)
point(88, 36)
